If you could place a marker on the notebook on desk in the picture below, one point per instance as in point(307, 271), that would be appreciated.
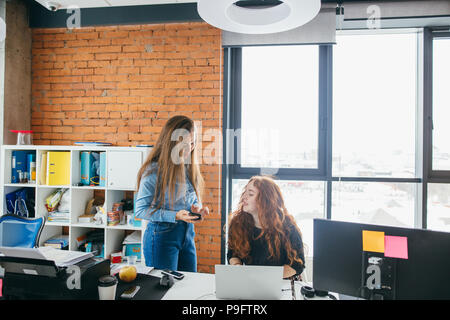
point(249, 282)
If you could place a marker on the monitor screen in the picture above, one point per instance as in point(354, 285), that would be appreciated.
point(363, 260)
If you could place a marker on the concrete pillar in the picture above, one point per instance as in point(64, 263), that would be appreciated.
point(2, 71)
point(16, 70)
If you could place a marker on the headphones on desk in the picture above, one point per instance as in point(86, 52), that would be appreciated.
point(309, 292)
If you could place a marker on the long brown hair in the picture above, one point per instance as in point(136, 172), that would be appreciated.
point(276, 223)
point(169, 172)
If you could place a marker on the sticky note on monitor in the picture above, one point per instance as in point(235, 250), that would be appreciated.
point(396, 247)
point(373, 241)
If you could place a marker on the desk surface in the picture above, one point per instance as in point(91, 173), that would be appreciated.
point(201, 286)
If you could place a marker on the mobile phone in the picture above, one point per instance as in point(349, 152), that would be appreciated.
point(130, 292)
point(198, 215)
point(177, 275)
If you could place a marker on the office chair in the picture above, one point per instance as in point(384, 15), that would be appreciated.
point(16, 231)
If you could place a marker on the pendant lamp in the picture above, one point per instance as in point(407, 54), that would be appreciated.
point(257, 16)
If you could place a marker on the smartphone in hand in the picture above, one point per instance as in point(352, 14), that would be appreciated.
point(198, 215)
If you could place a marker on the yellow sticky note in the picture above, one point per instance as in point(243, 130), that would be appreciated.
point(373, 241)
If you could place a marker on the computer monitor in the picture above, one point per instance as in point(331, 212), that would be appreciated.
point(342, 264)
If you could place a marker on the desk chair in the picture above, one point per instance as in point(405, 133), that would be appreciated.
point(16, 231)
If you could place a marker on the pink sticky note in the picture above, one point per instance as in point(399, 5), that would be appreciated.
point(1, 288)
point(396, 247)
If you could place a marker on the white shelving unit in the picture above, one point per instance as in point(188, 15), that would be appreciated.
point(122, 164)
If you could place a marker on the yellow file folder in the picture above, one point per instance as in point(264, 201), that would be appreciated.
point(58, 168)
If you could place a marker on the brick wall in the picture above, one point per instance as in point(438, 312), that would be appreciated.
point(120, 84)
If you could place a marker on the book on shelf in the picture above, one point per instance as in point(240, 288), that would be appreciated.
point(59, 241)
point(43, 169)
point(58, 216)
point(86, 218)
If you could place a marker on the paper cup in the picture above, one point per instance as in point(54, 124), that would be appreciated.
point(107, 286)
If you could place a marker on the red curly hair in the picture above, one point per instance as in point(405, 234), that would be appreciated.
point(274, 218)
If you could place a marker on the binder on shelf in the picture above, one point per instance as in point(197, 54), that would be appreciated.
point(86, 168)
point(102, 169)
point(18, 165)
point(89, 168)
point(58, 168)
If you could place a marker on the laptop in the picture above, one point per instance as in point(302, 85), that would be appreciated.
point(249, 282)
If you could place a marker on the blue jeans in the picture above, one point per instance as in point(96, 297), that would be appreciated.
point(170, 246)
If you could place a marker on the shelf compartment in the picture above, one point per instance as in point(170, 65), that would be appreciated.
point(79, 231)
point(8, 163)
point(80, 199)
point(77, 168)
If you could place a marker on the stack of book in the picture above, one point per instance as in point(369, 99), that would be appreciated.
point(58, 242)
point(59, 216)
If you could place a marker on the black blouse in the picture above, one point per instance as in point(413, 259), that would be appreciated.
point(259, 251)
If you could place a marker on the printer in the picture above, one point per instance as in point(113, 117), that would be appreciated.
point(27, 278)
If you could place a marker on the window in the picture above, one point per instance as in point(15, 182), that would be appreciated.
point(441, 103)
point(390, 204)
point(374, 105)
point(438, 207)
point(277, 112)
point(365, 104)
point(280, 107)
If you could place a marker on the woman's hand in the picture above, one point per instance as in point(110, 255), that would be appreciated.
point(185, 216)
point(288, 271)
point(202, 211)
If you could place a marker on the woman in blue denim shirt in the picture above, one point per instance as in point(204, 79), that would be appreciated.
point(170, 185)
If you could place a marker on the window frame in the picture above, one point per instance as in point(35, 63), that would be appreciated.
point(435, 176)
point(240, 172)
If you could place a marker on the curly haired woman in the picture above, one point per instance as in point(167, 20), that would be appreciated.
point(262, 232)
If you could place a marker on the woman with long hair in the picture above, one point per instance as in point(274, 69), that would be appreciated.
point(169, 190)
point(262, 232)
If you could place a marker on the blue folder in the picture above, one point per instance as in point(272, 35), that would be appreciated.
point(86, 168)
point(19, 164)
point(102, 169)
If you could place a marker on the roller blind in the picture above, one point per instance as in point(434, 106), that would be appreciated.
point(320, 30)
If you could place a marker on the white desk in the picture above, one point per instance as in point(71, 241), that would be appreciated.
point(201, 286)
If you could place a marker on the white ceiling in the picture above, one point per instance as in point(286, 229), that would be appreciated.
point(108, 3)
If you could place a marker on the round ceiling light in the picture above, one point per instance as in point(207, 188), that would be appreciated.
point(258, 19)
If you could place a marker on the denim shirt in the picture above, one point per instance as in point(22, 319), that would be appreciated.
point(144, 205)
